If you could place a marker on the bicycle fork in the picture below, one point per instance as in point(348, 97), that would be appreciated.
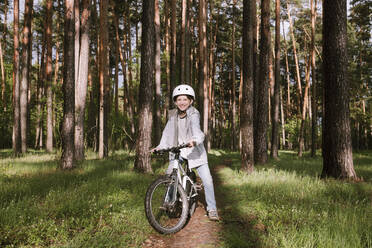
point(171, 193)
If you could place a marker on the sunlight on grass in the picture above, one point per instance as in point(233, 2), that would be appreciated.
point(99, 203)
point(285, 204)
point(281, 204)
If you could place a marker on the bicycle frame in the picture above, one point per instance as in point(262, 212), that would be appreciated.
point(182, 177)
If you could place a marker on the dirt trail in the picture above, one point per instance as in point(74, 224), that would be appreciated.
point(200, 232)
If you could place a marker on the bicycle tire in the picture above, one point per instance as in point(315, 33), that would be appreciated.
point(161, 220)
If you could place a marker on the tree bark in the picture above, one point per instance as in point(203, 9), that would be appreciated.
point(25, 73)
point(102, 149)
point(183, 39)
point(188, 44)
point(168, 100)
point(298, 77)
point(157, 104)
point(2, 76)
point(82, 82)
point(5, 31)
point(173, 48)
point(131, 101)
point(116, 79)
point(275, 104)
point(255, 67)
point(212, 67)
point(16, 84)
point(142, 161)
point(68, 122)
point(314, 129)
point(304, 110)
point(262, 108)
point(39, 92)
point(233, 82)
point(337, 148)
point(48, 75)
point(246, 109)
point(77, 39)
point(203, 63)
point(282, 118)
point(287, 76)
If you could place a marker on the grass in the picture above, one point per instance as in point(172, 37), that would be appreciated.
point(100, 204)
point(285, 204)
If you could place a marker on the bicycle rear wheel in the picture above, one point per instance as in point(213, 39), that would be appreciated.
point(165, 219)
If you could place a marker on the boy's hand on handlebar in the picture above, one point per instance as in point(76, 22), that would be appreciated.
point(153, 150)
point(191, 144)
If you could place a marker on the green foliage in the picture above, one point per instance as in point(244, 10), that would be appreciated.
point(285, 204)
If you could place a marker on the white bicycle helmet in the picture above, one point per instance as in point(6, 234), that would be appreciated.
point(183, 89)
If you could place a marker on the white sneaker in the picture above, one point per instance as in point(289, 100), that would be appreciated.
point(213, 215)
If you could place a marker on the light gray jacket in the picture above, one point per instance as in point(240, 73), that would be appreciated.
point(197, 154)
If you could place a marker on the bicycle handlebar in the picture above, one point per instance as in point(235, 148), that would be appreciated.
point(175, 149)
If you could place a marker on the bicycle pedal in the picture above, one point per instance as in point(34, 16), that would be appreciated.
point(163, 208)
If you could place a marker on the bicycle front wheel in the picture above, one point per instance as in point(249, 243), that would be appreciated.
point(165, 219)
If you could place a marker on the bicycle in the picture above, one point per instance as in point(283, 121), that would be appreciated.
point(171, 199)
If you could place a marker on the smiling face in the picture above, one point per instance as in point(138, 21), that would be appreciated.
point(183, 102)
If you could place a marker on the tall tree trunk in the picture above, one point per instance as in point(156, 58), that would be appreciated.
point(116, 79)
point(255, 67)
point(25, 73)
point(173, 48)
point(262, 108)
point(168, 100)
point(38, 99)
point(2, 75)
point(203, 63)
point(68, 122)
point(127, 103)
point(157, 104)
point(240, 102)
point(188, 44)
point(92, 109)
point(304, 110)
point(246, 109)
point(212, 66)
point(314, 129)
point(183, 40)
point(77, 39)
point(287, 75)
point(282, 118)
point(298, 77)
point(5, 31)
point(233, 82)
point(275, 104)
point(48, 75)
point(131, 101)
point(82, 82)
point(337, 148)
point(142, 161)
point(107, 100)
point(16, 84)
point(102, 149)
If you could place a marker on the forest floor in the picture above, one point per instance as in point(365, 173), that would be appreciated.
point(283, 203)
